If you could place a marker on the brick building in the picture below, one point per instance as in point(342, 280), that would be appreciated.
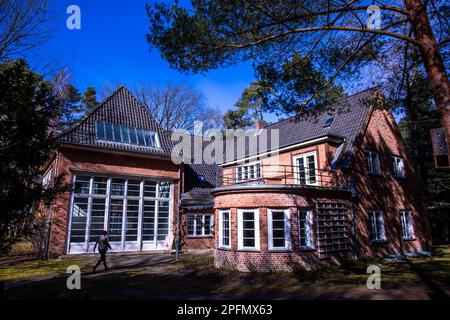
point(340, 183)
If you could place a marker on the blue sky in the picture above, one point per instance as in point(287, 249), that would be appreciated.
point(111, 48)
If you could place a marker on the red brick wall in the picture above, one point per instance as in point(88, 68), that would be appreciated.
point(387, 193)
point(110, 163)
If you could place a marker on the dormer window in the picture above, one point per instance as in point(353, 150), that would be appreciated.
point(328, 122)
point(126, 135)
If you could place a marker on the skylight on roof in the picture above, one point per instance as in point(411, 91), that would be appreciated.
point(126, 135)
point(328, 122)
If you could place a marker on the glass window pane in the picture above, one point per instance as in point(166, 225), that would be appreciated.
point(134, 188)
point(79, 219)
point(164, 189)
point(149, 139)
point(97, 219)
point(108, 132)
point(140, 137)
point(190, 225)
point(133, 138)
point(99, 185)
point(131, 227)
point(199, 225)
point(207, 225)
point(148, 221)
point(118, 187)
point(163, 220)
point(150, 189)
point(115, 220)
point(100, 130)
point(117, 135)
point(82, 184)
point(125, 134)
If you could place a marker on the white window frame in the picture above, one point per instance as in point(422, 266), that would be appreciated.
point(399, 172)
point(240, 230)
point(374, 227)
point(247, 167)
point(407, 225)
point(122, 245)
point(287, 230)
point(307, 177)
point(221, 245)
point(308, 227)
point(374, 168)
point(202, 215)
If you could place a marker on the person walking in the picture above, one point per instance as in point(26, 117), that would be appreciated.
point(103, 246)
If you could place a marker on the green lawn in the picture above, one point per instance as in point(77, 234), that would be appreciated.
point(153, 276)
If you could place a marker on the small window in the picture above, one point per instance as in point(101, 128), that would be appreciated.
point(407, 225)
point(248, 229)
point(305, 229)
point(224, 229)
point(328, 122)
point(398, 167)
point(305, 169)
point(248, 172)
point(372, 162)
point(278, 229)
point(199, 225)
point(377, 226)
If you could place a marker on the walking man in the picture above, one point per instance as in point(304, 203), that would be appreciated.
point(103, 246)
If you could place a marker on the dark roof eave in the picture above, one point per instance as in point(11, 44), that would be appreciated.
point(113, 150)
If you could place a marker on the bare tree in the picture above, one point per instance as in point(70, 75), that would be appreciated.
point(174, 106)
point(21, 26)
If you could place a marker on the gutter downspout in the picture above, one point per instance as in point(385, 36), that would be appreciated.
point(177, 238)
point(50, 211)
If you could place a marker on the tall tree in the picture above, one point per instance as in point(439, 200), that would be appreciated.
point(21, 26)
point(89, 99)
point(28, 105)
point(334, 37)
point(70, 98)
point(173, 106)
point(237, 119)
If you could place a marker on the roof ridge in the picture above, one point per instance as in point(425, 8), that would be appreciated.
point(91, 112)
point(337, 101)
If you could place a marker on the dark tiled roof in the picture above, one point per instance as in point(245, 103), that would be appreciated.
point(120, 108)
point(349, 116)
point(195, 189)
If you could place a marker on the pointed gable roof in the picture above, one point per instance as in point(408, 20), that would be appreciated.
point(121, 108)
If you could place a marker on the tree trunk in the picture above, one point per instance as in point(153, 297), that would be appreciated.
point(437, 78)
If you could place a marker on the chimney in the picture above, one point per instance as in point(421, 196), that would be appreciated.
point(258, 126)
